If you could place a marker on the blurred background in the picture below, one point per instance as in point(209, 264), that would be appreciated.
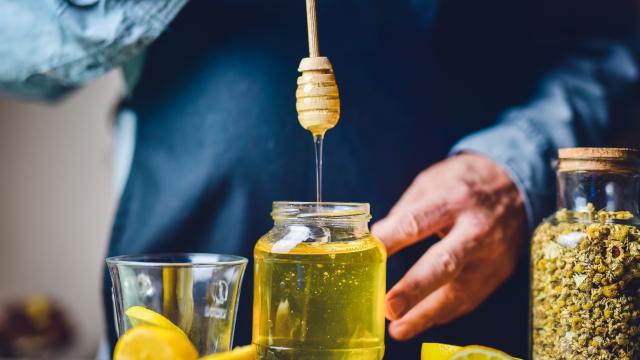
point(56, 207)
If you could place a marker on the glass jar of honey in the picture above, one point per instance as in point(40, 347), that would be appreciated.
point(319, 284)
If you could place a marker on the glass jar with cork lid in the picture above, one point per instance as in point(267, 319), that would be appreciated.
point(585, 260)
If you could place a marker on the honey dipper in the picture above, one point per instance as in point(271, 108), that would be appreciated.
point(317, 97)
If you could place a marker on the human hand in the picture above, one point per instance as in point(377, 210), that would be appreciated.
point(472, 203)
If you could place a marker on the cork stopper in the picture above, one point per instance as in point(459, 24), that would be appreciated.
point(317, 97)
point(599, 159)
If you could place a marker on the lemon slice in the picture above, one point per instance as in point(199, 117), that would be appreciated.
point(437, 351)
point(145, 342)
point(476, 352)
point(247, 352)
point(140, 315)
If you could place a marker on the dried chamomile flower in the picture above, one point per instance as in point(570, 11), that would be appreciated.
point(586, 286)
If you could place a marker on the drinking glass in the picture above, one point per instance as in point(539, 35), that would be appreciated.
point(197, 292)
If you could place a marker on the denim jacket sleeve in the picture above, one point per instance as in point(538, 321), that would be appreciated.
point(49, 47)
point(575, 105)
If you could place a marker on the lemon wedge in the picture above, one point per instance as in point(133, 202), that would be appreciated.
point(437, 351)
point(477, 352)
point(140, 315)
point(145, 342)
point(247, 352)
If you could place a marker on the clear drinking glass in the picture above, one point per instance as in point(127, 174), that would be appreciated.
point(197, 292)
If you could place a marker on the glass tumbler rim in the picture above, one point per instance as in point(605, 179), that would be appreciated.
point(190, 260)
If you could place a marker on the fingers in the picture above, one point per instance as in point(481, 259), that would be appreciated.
point(409, 223)
point(438, 266)
point(444, 305)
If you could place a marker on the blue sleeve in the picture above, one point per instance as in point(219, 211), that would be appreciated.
point(49, 47)
point(576, 105)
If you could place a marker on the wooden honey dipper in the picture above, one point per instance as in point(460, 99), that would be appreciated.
point(317, 97)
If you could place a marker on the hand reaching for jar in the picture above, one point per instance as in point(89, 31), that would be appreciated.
point(472, 203)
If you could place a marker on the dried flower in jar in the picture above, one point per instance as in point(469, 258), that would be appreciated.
point(585, 286)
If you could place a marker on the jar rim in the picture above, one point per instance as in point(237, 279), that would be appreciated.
point(328, 211)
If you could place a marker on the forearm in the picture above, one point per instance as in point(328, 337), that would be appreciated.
point(49, 47)
point(577, 104)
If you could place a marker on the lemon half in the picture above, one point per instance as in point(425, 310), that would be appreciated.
point(146, 342)
point(437, 351)
point(140, 315)
point(477, 352)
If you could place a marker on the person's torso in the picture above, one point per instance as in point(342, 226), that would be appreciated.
point(218, 139)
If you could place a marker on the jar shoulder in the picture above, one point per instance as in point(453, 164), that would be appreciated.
point(309, 241)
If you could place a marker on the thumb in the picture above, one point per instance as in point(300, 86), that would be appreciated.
point(404, 226)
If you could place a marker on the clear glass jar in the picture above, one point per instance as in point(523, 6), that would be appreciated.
point(319, 284)
point(585, 260)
